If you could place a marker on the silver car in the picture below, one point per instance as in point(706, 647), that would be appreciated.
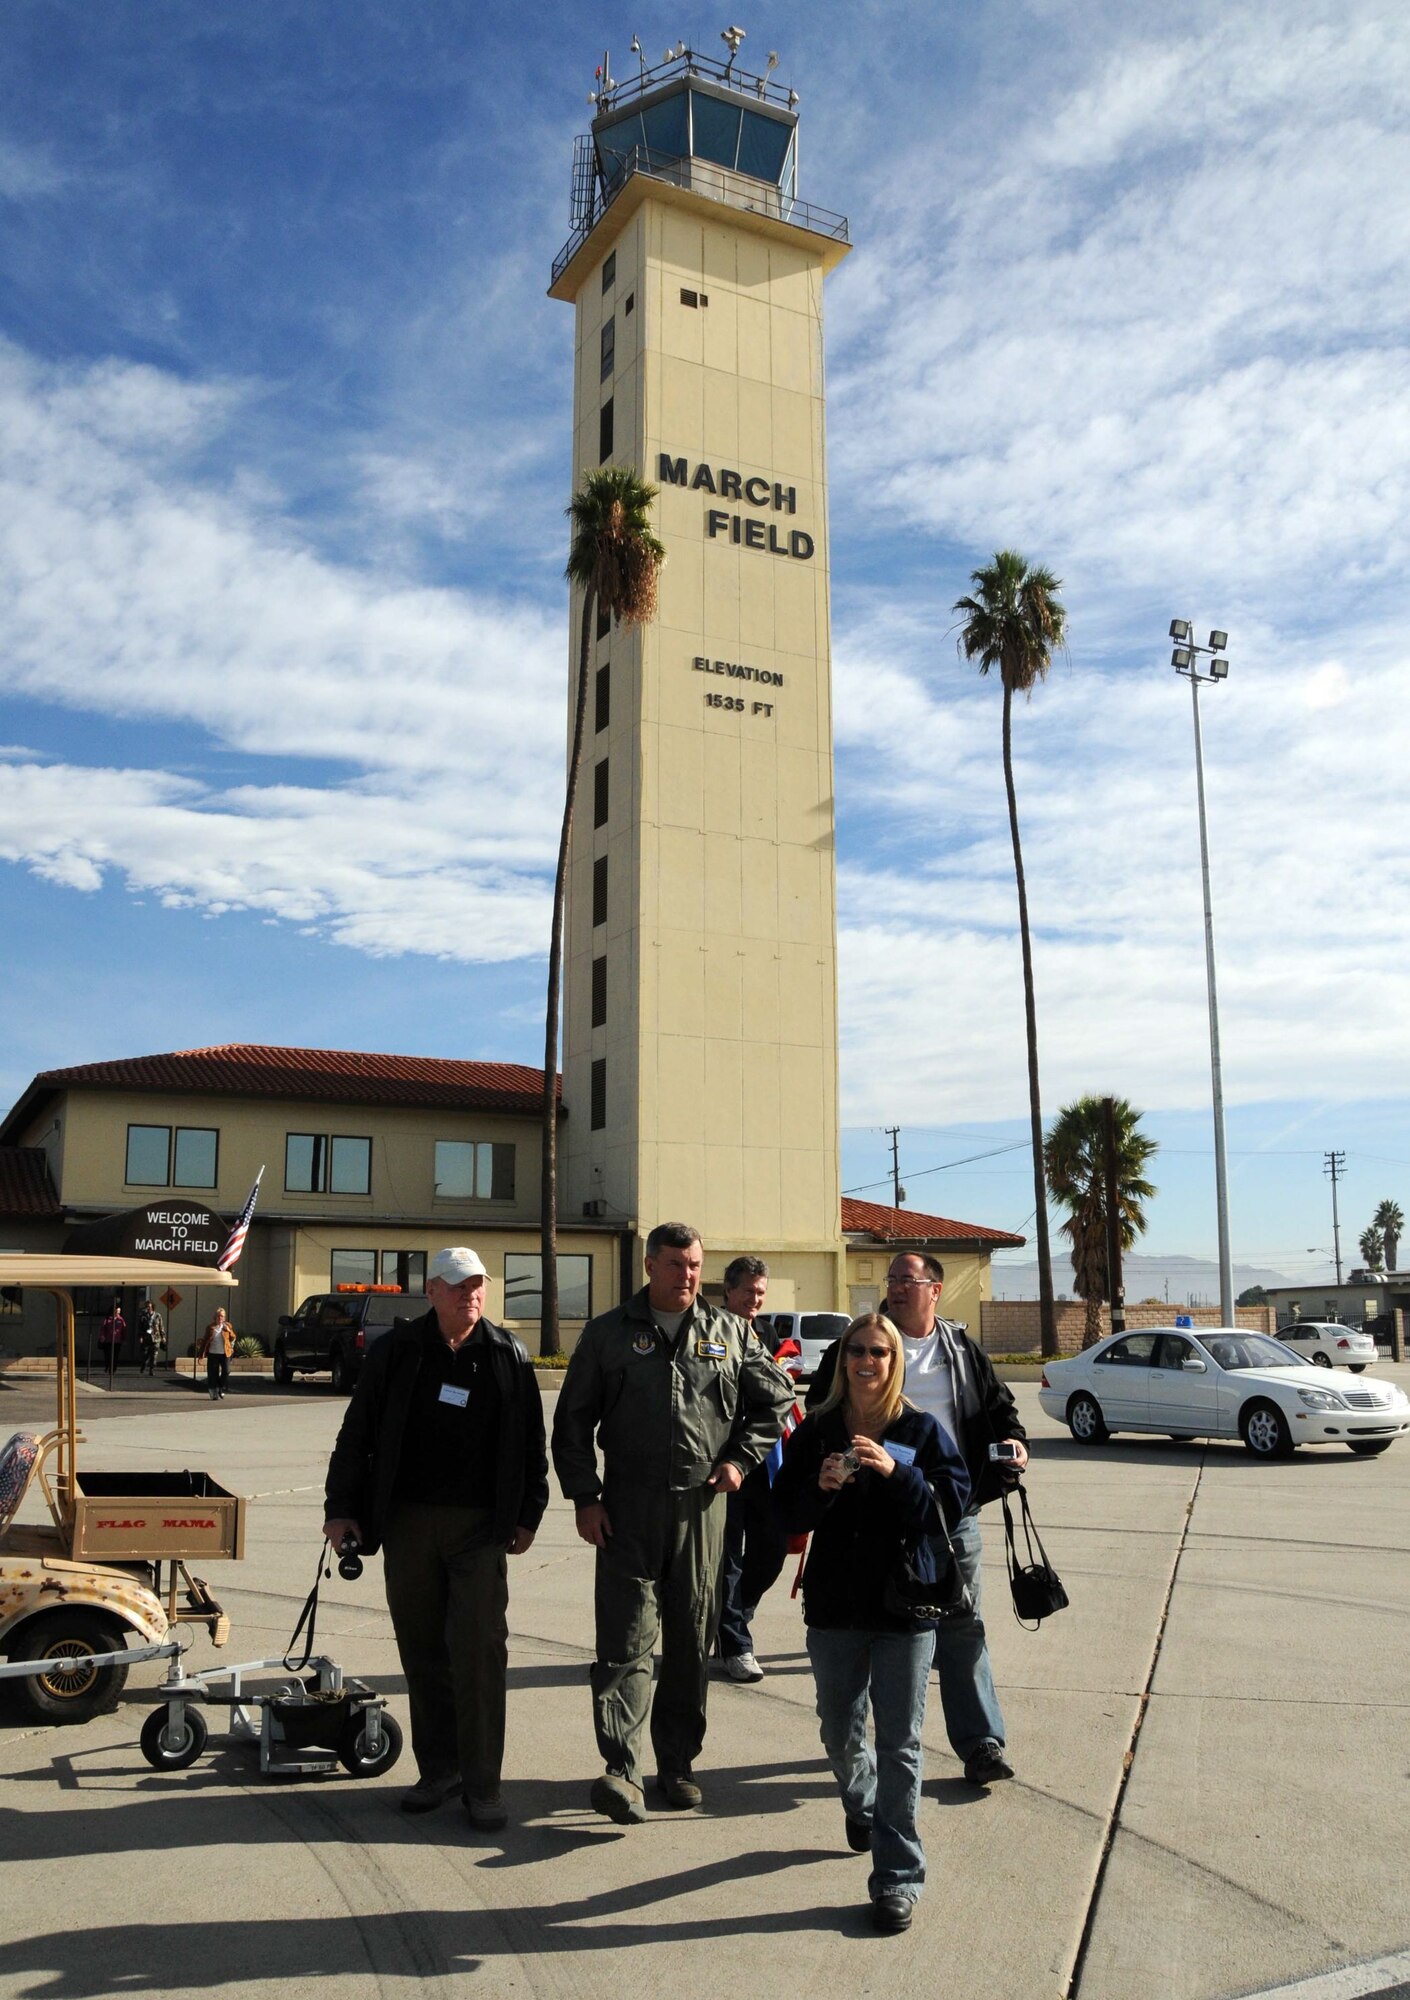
point(1329, 1345)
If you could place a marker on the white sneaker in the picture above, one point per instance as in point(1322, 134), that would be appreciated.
point(743, 1667)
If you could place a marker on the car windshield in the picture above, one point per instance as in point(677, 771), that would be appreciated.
point(1250, 1350)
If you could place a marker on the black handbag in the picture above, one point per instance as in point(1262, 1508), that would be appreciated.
point(927, 1600)
point(1035, 1586)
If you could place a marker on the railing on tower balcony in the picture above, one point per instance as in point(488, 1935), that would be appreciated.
point(736, 190)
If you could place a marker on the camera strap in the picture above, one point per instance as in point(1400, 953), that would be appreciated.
point(322, 1570)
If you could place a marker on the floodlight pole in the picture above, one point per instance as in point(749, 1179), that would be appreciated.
point(1185, 660)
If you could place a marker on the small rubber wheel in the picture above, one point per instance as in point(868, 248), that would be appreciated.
point(1321, 1360)
point(173, 1752)
point(1265, 1431)
point(1085, 1420)
point(1369, 1447)
point(282, 1371)
point(71, 1690)
point(353, 1753)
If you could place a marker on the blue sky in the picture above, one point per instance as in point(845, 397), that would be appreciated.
point(283, 455)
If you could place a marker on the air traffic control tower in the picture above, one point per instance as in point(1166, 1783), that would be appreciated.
point(700, 1036)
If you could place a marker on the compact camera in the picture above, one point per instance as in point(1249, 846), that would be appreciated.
point(349, 1561)
point(1005, 1453)
point(850, 1461)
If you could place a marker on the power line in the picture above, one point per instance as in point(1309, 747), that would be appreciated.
point(1019, 1146)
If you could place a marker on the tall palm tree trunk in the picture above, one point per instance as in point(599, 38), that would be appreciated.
point(1047, 1319)
point(549, 1342)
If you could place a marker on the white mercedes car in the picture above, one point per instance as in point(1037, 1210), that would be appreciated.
point(1330, 1345)
point(1219, 1382)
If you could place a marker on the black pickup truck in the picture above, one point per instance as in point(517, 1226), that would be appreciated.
point(333, 1330)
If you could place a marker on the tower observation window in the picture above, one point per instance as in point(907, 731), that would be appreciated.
point(604, 432)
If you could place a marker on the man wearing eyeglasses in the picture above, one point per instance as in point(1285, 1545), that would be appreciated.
point(951, 1377)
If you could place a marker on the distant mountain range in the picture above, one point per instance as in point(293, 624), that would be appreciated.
point(1182, 1280)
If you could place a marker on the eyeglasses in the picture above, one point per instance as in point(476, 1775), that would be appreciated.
point(912, 1281)
point(865, 1353)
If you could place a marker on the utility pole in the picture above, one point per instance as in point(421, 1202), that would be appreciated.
point(898, 1193)
point(1115, 1286)
point(1334, 1164)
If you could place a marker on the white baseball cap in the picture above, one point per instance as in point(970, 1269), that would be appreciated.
point(455, 1266)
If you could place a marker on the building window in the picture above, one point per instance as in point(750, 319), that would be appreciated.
point(630, 305)
point(599, 890)
point(317, 1164)
point(689, 298)
point(153, 1160)
point(598, 1115)
point(599, 993)
point(609, 271)
point(609, 349)
point(474, 1170)
point(405, 1269)
point(599, 793)
point(604, 432)
point(195, 1157)
point(604, 620)
point(523, 1286)
point(352, 1267)
point(603, 706)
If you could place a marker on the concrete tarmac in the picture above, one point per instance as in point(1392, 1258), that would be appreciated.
point(1213, 1789)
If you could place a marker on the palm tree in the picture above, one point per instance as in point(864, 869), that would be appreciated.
point(1372, 1248)
point(1391, 1223)
point(614, 560)
point(1014, 621)
point(1075, 1158)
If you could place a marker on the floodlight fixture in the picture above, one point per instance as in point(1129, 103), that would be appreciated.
point(636, 46)
point(1179, 628)
point(1218, 641)
point(773, 58)
point(1182, 658)
point(732, 37)
point(792, 100)
point(1219, 670)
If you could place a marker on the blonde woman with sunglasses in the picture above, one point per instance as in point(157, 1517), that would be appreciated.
point(870, 1476)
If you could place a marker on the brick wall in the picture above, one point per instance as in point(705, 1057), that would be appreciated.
point(1010, 1326)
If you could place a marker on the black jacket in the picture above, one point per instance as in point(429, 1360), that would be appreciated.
point(859, 1532)
point(362, 1472)
point(988, 1417)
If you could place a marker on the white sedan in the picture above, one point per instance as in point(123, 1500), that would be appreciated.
point(1330, 1345)
point(1220, 1382)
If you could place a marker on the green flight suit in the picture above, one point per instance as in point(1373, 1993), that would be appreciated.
point(666, 1414)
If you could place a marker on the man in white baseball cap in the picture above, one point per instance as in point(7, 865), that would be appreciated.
point(441, 1463)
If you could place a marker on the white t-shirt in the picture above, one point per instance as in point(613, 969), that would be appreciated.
point(929, 1383)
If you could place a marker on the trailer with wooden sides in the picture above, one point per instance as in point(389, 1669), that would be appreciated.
point(78, 1589)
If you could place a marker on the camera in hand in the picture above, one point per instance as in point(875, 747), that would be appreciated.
point(1005, 1453)
point(349, 1561)
point(850, 1461)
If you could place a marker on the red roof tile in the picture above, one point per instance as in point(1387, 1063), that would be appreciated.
point(248, 1069)
point(25, 1186)
point(908, 1225)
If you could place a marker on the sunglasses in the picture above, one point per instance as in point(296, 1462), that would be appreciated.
point(865, 1353)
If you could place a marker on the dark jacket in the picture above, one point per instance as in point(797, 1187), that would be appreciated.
point(666, 1414)
point(859, 1532)
point(988, 1414)
point(362, 1472)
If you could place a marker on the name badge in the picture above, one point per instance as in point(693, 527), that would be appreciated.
point(904, 1454)
point(710, 1350)
point(457, 1397)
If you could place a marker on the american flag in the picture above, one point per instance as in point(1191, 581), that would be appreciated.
point(236, 1242)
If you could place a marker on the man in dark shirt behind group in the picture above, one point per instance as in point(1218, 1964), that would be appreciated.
point(441, 1462)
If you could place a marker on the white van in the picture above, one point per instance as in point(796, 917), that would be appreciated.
point(813, 1331)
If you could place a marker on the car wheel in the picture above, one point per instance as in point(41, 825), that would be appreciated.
point(1264, 1430)
point(73, 1690)
point(283, 1372)
point(342, 1373)
point(354, 1755)
point(174, 1751)
point(1085, 1420)
point(1369, 1447)
point(1357, 1367)
point(1320, 1360)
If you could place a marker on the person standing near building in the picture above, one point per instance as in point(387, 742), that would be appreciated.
point(685, 1402)
point(441, 1463)
point(756, 1542)
point(111, 1334)
point(215, 1347)
point(151, 1337)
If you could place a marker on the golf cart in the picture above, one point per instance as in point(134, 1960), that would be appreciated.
point(82, 1595)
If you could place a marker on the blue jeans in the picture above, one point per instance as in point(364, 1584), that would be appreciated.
point(972, 1712)
point(882, 1786)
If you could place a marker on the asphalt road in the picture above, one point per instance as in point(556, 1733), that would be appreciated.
point(1212, 1798)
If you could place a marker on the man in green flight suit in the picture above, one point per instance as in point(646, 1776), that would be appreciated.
point(685, 1400)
